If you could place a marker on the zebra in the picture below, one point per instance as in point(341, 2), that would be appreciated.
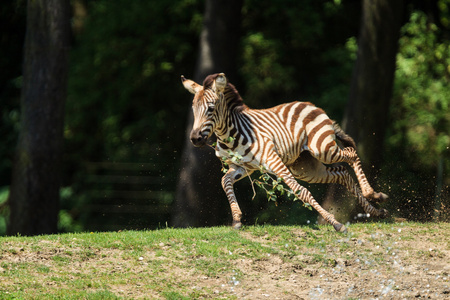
point(292, 141)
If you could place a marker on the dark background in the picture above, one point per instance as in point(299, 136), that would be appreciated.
point(94, 117)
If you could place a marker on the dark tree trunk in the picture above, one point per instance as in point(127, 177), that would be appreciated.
point(200, 200)
point(373, 78)
point(36, 176)
point(371, 89)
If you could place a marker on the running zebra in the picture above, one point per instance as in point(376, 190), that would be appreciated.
point(292, 141)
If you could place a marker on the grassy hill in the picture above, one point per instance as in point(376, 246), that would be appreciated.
point(373, 260)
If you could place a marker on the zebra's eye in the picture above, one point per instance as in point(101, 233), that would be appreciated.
point(210, 108)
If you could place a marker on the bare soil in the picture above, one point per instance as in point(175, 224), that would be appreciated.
point(399, 264)
point(396, 261)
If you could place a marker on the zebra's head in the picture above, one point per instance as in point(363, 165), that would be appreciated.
point(204, 106)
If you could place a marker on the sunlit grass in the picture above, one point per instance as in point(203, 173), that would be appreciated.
point(194, 262)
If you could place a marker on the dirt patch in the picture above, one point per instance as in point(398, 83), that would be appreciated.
point(390, 262)
point(400, 264)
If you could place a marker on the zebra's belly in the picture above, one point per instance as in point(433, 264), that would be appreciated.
point(252, 159)
point(290, 154)
point(239, 156)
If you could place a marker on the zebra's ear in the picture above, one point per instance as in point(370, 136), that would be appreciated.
point(190, 85)
point(220, 83)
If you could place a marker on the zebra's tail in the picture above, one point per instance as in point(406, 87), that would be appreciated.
point(346, 140)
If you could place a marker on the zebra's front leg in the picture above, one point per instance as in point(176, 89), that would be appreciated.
point(275, 165)
point(234, 174)
point(306, 196)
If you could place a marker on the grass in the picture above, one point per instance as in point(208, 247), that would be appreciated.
point(190, 263)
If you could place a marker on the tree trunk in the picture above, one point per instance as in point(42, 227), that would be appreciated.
point(373, 79)
point(36, 175)
point(200, 200)
point(371, 88)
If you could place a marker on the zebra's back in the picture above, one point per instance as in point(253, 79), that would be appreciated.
point(293, 127)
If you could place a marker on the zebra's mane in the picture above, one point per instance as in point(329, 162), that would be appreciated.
point(232, 95)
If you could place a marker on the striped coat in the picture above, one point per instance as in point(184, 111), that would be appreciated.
point(293, 141)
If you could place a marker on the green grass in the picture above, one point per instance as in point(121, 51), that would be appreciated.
point(180, 263)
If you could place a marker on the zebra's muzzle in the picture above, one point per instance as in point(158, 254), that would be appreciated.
point(198, 139)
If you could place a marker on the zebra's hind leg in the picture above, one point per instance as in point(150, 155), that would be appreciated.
point(233, 174)
point(340, 175)
point(334, 154)
point(309, 169)
point(367, 190)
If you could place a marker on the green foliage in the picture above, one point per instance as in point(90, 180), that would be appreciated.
point(125, 101)
point(274, 188)
point(124, 88)
point(4, 211)
point(419, 137)
point(422, 102)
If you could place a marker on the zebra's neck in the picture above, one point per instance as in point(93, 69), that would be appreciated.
point(229, 113)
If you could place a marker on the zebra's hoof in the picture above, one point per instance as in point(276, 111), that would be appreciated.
point(340, 228)
point(237, 225)
point(384, 213)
